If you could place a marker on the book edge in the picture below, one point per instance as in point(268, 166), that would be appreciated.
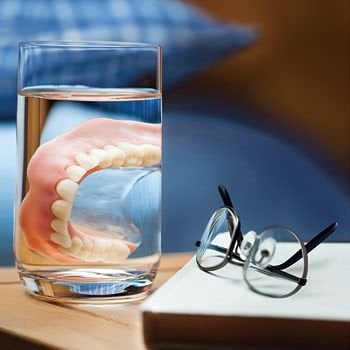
point(168, 330)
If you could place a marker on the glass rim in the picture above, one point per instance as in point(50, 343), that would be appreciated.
point(86, 44)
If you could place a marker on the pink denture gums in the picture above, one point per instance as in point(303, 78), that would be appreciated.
point(91, 146)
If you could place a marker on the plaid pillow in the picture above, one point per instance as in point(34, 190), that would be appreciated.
point(191, 40)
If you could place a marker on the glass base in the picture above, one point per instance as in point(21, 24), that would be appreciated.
point(88, 285)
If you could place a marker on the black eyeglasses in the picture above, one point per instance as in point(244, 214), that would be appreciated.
point(275, 262)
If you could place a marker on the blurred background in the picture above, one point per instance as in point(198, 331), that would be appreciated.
point(298, 71)
point(256, 96)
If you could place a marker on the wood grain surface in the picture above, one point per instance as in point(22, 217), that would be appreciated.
point(27, 323)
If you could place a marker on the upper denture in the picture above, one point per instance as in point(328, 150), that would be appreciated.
point(55, 172)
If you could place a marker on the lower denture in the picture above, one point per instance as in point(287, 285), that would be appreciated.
point(54, 173)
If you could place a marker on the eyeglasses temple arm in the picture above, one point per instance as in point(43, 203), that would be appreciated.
point(225, 196)
point(313, 243)
point(271, 270)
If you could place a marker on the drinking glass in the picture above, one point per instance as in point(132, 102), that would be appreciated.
point(88, 198)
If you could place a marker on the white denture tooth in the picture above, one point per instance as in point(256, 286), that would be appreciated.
point(67, 189)
point(116, 154)
point(61, 209)
point(86, 249)
point(118, 252)
point(62, 240)
point(105, 249)
point(151, 154)
point(75, 172)
point(59, 226)
point(104, 159)
point(100, 250)
point(133, 154)
point(77, 244)
point(86, 161)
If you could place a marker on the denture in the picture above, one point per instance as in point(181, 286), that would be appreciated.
point(55, 172)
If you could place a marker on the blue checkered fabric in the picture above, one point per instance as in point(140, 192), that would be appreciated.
point(191, 40)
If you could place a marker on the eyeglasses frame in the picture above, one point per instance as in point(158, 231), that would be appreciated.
point(232, 256)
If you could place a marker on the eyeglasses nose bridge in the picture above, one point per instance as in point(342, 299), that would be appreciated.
point(249, 240)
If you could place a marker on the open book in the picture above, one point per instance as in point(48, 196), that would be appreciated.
point(195, 308)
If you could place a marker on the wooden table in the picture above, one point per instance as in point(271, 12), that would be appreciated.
point(27, 323)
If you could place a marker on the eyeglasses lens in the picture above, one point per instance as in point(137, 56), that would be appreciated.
point(216, 238)
point(273, 247)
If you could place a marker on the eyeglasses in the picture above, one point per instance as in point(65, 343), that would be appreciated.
point(275, 262)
